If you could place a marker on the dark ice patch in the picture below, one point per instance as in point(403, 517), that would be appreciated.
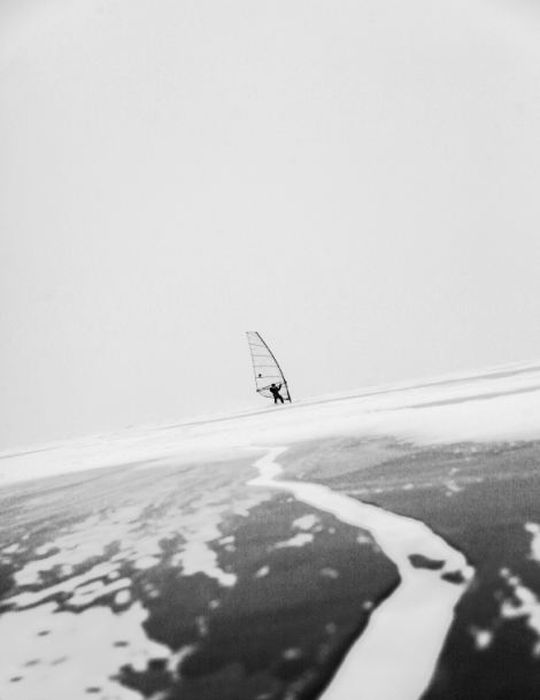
point(454, 577)
point(419, 561)
point(7, 580)
point(154, 679)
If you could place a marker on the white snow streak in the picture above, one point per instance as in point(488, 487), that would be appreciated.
point(534, 529)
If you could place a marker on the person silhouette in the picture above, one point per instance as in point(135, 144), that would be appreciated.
point(274, 390)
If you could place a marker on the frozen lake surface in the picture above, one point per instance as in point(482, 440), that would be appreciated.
point(384, 545)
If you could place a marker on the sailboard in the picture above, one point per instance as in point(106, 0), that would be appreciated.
point(266, 369)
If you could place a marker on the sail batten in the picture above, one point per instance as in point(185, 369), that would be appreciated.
point(266, 369)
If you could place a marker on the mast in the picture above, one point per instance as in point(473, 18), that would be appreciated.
point(266, 368)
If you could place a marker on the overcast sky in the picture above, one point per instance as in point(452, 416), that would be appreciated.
point(357, 180)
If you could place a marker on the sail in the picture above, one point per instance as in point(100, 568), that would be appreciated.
point(265, 367)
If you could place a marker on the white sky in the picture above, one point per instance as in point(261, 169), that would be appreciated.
point(359, 181)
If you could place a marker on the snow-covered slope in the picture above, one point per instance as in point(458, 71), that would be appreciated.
point(496, 404)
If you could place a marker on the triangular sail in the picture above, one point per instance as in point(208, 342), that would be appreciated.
point(265, 367)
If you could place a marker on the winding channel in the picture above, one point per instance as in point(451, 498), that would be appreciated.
point(398, 651)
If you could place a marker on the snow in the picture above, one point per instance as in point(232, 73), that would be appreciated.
point(534, 530)
point(197, 556)
point(299, 540)
point(307, 522)
point(523, 604)
point(500, 404)
point(76, 586)
point(63, 654)
point(482, 638)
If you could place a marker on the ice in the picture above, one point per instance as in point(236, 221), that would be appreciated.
point(500, 404)
point(405, 634)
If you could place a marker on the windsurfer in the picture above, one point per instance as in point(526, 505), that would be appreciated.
point(274, 390)
point(270, 381)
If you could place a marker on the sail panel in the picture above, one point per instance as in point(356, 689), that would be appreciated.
point(266, 369)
